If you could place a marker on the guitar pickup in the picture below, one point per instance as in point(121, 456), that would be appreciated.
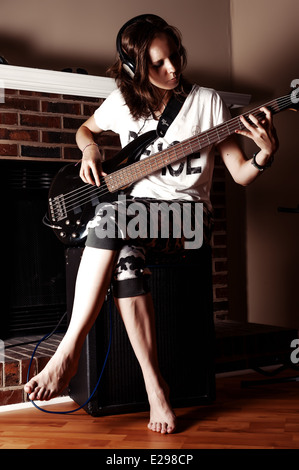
point(95, 201)
point(57, 208)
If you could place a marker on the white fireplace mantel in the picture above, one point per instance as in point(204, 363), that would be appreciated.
point(51, 81)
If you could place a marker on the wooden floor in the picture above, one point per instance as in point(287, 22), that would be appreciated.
point(263, 417)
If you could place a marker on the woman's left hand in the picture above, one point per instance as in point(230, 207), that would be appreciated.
point(262, 132)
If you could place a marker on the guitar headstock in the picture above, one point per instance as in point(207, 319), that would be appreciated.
point(295, 95)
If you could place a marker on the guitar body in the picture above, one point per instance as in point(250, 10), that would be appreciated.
point(69, 221)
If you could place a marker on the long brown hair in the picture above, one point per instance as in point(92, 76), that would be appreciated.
point(140, 95)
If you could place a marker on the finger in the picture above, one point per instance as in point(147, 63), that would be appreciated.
point(97, 173)
point(81, 174)
point(267, 112)
point(268, 115)
point(254, 120)
point(251, 123)
point(87, 175)
point(244, 133)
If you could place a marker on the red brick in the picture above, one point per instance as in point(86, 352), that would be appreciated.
point(12, 91)
point(10, 397)
point(220, 306)
point(59, 137)
point(11, 373)
point(8, 150)
point(220, 279)
point(108, 139)
point(72, 153)
point(21, 103)
point(35, 120)
point(219, 240)
point(220, 266)
point(18, 134)
point(40, 94)
point(72, 123)
point(24, 370)
point(40, 152)
point(221, 292)
point(89, 109)
point(8, 119)
point(61, 107)
point(41, 363)
point(84, 99)
point(219, 252)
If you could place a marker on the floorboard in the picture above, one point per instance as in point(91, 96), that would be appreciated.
point(260, 417)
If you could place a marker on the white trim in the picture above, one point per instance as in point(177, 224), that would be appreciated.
point(28, 404)
point(235, 100)
point(51, 81)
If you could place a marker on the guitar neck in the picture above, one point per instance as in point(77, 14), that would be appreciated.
point(136, 171)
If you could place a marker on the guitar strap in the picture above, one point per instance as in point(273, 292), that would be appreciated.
point(170, 112)
point(167, 117)
point(137, 146)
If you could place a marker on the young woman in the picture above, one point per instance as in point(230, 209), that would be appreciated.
point(148, 73)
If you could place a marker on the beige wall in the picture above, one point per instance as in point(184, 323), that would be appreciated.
point(265, 46)
point(249, 46)
point(66, 33)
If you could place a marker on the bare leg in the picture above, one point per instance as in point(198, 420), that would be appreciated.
point(138, 316)
point(93, 280)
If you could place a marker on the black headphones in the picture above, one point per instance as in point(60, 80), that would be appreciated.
point(128, 64)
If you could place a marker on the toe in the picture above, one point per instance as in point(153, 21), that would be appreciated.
point(30, 386)
point(164, 428)
point(34, 394)
point(158, 427)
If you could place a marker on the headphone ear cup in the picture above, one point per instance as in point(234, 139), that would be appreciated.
point(129, 68)
point(127, 62)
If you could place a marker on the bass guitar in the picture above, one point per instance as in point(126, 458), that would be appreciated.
point(71, 202)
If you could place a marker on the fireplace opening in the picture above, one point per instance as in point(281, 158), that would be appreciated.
point(33, 259)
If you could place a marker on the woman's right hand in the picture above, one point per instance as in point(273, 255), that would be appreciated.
point(91, 166)
point(91, 163)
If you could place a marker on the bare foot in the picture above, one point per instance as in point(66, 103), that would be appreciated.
point(162, 417)
point(53, 379)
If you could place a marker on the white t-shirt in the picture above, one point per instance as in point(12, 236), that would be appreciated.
point(191, 177)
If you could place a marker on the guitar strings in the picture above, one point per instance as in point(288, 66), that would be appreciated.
point(85, 193)
point(214, 133)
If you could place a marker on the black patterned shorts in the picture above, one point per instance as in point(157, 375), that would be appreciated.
point(146, 231)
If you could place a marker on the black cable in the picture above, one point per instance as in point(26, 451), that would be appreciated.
point(97, 384)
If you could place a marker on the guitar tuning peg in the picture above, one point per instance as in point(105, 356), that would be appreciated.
point(295, 94)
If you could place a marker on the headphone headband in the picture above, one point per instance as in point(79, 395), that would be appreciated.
point(128, 63)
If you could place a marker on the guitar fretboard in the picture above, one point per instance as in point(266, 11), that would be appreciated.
point(136, 171)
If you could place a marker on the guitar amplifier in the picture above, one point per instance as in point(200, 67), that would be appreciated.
point(182, 295)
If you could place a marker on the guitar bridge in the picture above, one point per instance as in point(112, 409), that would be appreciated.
point(57, 208)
